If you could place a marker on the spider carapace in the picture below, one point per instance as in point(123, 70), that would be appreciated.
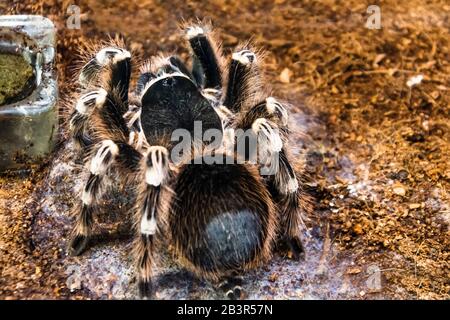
point(220, 217)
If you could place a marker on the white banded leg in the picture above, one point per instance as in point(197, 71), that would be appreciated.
point(92, 191)
point(271, 155)
point(285, 178)
point(286, 183)
point(239, 79)
point(275, 108)
point(79, 120)
point(269, 143)
point(269, 109)
point(104, 57)
point(150, 205)
point(275, 164)
point(137, 136)
point(207, 54)
point(213, 95)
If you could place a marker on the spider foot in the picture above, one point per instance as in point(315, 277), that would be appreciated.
point(78, 245)
point(292, 248)
point(236, 293)
point(145, 289)
point(232, 288)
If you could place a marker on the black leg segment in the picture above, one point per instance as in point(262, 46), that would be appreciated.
point(207, 56)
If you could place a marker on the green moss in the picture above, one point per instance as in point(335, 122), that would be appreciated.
point(15, 74)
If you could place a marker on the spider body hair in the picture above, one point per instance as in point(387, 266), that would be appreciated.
point(221, 223)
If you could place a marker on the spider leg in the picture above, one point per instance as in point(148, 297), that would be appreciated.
point(231, 286)
point(240, 79)
point(268, 120)
point(115, 64)
point(289, 198)
point(197, 72)
point(78, 125)
point(273, 114)
point(107, 154)
point(79, 120)
point(149, 209)
point(133, 117)
point(160, 66)
point(93, 189)
point(179, 66)
point(270, 109)
point(206, 55)
point(104, 119)
point(145, 77)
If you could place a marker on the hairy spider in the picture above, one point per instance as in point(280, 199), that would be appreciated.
point(221, 217)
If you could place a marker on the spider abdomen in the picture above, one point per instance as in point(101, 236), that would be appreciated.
point(221, 220)
point(229, 241)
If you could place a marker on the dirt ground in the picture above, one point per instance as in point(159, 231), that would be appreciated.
point(377, 147)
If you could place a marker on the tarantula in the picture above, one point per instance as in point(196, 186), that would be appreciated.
point(221, 218)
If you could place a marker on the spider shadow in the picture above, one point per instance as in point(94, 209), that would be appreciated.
point(172, 275)
point(105, 237)
point(185, 283)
